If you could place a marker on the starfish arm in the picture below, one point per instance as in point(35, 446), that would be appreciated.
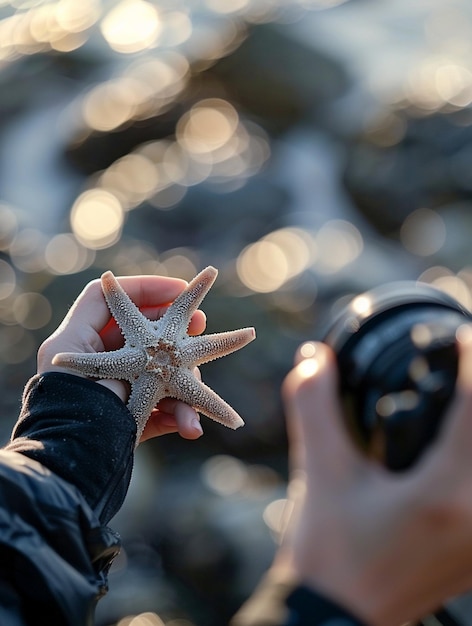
point(120, 364)
point(146, 391)
point(175, 321)
point(198, 350)
point(135, 326)
point(204, 400)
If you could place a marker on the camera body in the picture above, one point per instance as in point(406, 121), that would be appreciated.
point(398, 361)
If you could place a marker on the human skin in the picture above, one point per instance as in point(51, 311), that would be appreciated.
point(89, 327)
point(391, 547)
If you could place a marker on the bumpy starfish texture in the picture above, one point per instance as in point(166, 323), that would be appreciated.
point(159, 357)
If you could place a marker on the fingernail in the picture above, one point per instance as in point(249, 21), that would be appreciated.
point(197, 426)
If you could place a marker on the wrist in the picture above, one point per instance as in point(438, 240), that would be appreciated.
point(118, 387)
point(341, 585)
point(281, 598)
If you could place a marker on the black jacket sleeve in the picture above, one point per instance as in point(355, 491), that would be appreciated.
point(82, 432)
point(64, 474)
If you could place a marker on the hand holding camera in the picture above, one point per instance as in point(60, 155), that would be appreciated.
point(397, 358)
point(391, 546)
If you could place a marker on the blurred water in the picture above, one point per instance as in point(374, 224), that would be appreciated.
point(385, 47)
point(33, 176)
point(381, 43)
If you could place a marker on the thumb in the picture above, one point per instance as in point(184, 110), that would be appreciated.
point(318, 437)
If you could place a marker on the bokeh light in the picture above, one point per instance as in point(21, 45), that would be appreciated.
point(60, 26)
point(143, 619)
point(75, 17)
point(207, 127)
point(7, 279)
point(177, 28)
point(27, 250)
point(362, 305)
point(141, 91)
point(8, 226)
point(133, 178)
point(221, 6)
point(132, 26)
point(263, 267)
point(32, 310)
point(179, 262)
point(224, 474)
point(338, 243)
point(455, 287)
point(267, 264)
point(64, 254)
point(423, 232)
point(97, 218)
point(111, 104)
point(179, 168)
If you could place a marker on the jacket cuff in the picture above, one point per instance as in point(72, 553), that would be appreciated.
point(82, 432)
point(283, 602)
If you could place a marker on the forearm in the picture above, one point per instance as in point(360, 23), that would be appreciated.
point(80, 431)
point(54, 554)
point(62, 476)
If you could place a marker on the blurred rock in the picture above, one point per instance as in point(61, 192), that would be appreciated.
point(279, 80)
point(409, 160)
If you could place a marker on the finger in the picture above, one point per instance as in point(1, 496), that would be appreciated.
point(149, 291)
point(173, 416)
point(157, 425)
point(90, 308)
point(318, 435)
point(188, 420)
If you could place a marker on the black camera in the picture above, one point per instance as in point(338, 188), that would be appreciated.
point(397, 358)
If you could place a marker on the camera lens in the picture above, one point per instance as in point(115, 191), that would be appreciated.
point(397, 360)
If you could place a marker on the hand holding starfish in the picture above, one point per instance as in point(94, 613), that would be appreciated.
point(159, 357)
point(89, 327)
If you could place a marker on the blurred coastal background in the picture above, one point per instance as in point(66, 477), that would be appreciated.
point(308, 149)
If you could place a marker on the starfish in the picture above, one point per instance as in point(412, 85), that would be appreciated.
point(159, 357)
